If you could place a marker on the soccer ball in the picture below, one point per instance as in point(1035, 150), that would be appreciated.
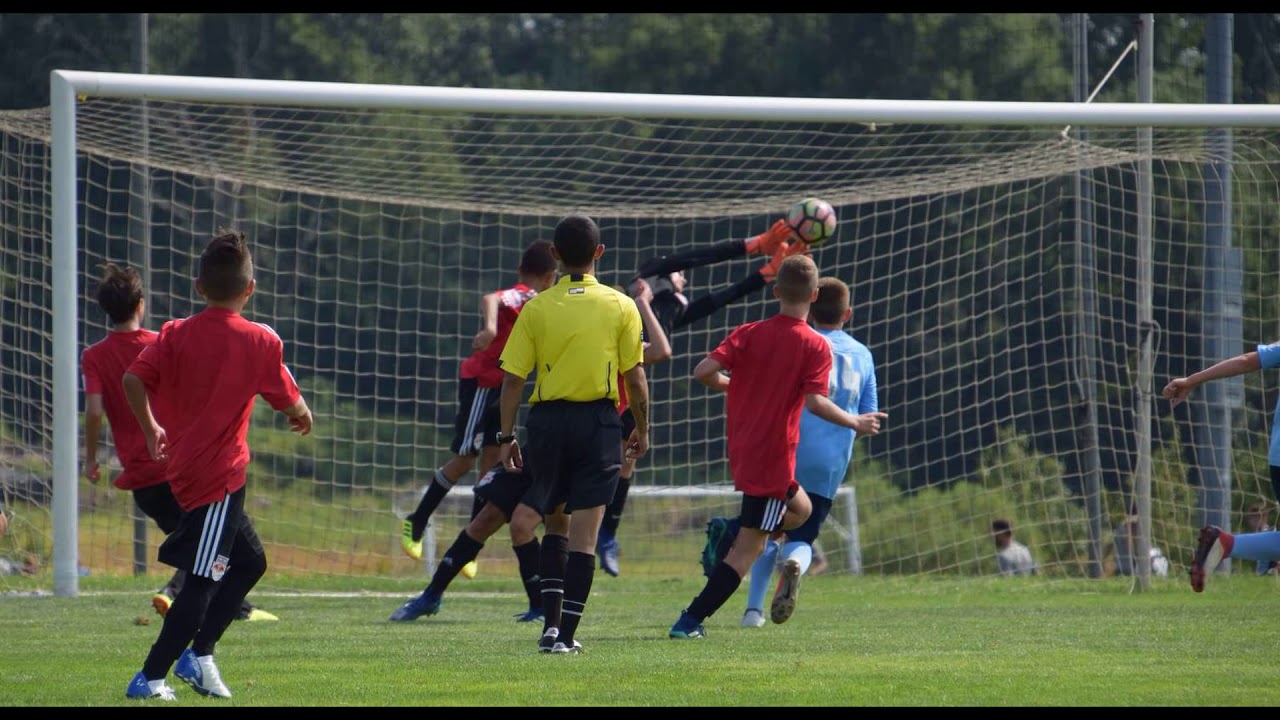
point(812, 219)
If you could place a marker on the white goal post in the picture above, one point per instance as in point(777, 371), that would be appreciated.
point(68, 86)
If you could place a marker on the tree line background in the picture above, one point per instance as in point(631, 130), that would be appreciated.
point(1016, 56)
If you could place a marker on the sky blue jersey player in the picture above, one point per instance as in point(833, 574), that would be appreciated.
point(1217, 544)
point(823, 455)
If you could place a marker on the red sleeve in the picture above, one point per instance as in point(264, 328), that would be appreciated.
point(817, 369)
point(278, 386)
point(152, 362)
point(92, 379)
point(728, 350)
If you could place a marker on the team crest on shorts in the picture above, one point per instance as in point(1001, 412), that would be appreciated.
point(219, 568)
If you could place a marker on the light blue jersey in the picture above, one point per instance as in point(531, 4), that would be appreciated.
point(824, 452)
point(1270, 357)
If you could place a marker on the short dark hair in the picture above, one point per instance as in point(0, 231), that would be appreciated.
point(1000, 526)
point(832, 302)
point(119, 292)
point(225, 266)
point(797, 279)
point(576, 239)
point(537, 259)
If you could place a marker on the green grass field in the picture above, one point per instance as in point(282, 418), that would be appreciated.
point(853, 641)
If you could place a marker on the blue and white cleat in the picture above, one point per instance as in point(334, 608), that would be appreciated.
point(140, 689)
point(607, 549)
point(686, 628)
point(201, 673)
point(424, 604)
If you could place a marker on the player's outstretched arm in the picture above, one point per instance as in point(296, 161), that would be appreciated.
point(864, 424)
point(1179, 388)
point(299, 417)
point(659, 348)
point(709, 372)
point(136, 393)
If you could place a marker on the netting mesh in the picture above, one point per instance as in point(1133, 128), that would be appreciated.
point(375, 234)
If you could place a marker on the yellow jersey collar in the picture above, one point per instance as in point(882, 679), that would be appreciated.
point(578, 279)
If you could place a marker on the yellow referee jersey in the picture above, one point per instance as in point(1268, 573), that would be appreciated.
point(577, 335)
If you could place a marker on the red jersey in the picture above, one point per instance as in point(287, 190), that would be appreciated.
point(103, 365)
point(208, 369)
point(774, 364)
point(482, 366)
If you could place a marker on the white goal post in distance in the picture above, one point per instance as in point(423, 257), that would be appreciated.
point(68, 86)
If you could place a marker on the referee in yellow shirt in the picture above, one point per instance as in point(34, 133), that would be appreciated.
point(577, 336)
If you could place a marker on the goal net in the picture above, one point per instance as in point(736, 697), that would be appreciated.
point(996, 275)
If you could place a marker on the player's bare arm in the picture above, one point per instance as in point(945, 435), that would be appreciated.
point(93, 413)
point(509, 406)
point(1179, 388)
point(638, 397)
point(659, 348)
point(711, 373)
point(864, 424)
point(299, 417)
point(489, 328)
point(136, 393)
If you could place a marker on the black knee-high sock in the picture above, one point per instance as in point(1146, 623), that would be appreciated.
point(719, 588)
point(242, 575)
point(180, 625)
point(528, 557)
point(555, 556)
point(462, 551)
point(613, 513)
point(578, 574)
point(440, 486)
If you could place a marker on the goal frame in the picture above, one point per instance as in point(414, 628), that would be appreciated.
point(68, 85)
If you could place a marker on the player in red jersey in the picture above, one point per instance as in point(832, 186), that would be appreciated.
point(778, 366)
point(476, 424)
point(203, 374)
point(120, 295)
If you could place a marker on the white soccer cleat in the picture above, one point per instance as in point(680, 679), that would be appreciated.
point(753, 618)
point(201, 673)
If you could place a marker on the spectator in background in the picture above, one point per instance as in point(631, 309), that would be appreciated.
point(12, 566)
point(1255, 521)
point(1012, 557)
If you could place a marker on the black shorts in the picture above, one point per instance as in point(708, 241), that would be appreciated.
point(808, 532)
point(211, 538)
point(505, 490)
point(478, 420)
point(576, 451)
point(762, 513)
point(158, 503)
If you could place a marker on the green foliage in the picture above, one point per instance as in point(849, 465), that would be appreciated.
point(852, 642)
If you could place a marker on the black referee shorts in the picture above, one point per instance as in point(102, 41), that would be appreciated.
point(576, 452)
point(212, 538)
